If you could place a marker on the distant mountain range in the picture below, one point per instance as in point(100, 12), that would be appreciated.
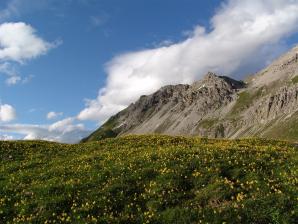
point(264, 105)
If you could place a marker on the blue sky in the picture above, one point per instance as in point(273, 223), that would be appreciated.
point(113, 51)
point(75, 69)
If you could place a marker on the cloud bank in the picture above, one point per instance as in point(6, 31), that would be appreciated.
point(66, 131)
point(244, 33)
point(6, 137)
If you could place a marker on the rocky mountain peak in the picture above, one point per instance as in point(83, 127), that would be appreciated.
point(218, 106)
point(211, 80)
point(210, 76)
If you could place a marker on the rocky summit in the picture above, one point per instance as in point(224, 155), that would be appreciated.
point(265, 105)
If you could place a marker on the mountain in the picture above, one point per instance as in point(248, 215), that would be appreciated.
point(265, 105)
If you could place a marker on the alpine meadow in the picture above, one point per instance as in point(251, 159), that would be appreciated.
point(149, 179)
point(154, 112)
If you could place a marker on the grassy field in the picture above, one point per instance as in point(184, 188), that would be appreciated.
point(149, 179)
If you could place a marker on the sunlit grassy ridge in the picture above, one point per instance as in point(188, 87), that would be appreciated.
point(149, 179)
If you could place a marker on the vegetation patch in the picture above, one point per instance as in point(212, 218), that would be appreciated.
point(287, 130)
point(295, 79)
point(107, 130)
point(208, 123)
point(149, 179)
point(245, 99)
point(220, 131)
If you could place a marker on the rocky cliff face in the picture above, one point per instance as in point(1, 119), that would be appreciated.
point(218, 107)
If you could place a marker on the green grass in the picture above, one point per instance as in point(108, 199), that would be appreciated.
point(149, 179)
point(295, 79)
point(287, 130)
point(107, 130)
point(245, 99)
point(208, 123)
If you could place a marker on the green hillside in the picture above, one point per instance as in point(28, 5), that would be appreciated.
point(149, 179)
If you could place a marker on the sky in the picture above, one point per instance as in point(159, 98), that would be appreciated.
point(67, 66)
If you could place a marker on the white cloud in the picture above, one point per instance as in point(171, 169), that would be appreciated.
point(19, 42)
point(11, 9)
point(27, 79)
point(99, 20)
point(16, 8)
point(9, 70)
point(13, 80)
point(244, 33)
point(17, 79)
point(53, 115)
point(12, 76)
point(7, 113)
point(66, 130)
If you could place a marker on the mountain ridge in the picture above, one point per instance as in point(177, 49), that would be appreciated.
point(217, 107)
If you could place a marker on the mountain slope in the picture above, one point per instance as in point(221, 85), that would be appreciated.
point(218, 106)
